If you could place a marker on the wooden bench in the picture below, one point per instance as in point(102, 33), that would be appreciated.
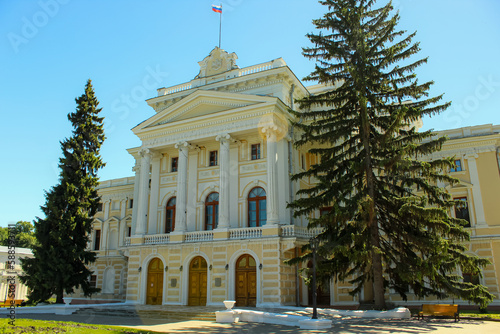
point(7, 303)
point(440, 310)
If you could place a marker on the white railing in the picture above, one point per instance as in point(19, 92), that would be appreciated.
point(237, 73)
point(175, 89)
point(255, 69)
point(245, 233)
point(156, 239)
point(299, 231)
point(199, 236)
point(127, 241)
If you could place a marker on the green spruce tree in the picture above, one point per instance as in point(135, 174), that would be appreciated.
point(61, 258)
point(389, 224)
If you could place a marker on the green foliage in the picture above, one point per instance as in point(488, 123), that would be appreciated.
point(24, 235)
point(389, 224)
point(61, 258)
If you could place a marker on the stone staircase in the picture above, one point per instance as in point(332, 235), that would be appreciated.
point(170, 314)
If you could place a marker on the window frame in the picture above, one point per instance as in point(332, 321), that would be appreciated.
point(97, 240)
point(167, 208)
point(215, 212)
point(256, 199)
point(458, 166)
point(213, 158)
point(466, 201)
point(255, 148)
point(174, 164)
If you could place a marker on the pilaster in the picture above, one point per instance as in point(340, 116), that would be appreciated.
point(476, 190)
point(224, 191)
point(181, 198)
point(142, 207)
point(155, 190)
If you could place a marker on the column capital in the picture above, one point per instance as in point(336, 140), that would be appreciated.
point(143, 152)
point(273, 130)
point(226, 137)
point(472, 156)
point(182, 144)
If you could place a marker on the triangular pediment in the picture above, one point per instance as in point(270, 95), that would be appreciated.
point(460, 185)
point(202, 103)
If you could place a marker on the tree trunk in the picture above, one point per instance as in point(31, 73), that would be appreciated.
point(59, 296)
point(377, 272)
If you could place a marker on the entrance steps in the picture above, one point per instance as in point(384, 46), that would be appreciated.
point(168, 313)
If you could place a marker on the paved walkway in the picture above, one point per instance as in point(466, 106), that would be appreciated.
point(345, 325)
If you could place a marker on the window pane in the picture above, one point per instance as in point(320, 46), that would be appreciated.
point(252, 218)
point(262, 204)
point(243, 262)
point(252, 205)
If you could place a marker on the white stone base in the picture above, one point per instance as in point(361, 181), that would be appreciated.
point(226, 317)
point(315, 324)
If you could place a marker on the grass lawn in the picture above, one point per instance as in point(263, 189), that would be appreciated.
point(25, 326)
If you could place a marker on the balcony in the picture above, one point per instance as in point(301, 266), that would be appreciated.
point(283, 231)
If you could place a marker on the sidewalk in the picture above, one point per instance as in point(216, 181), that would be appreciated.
point(358, 326)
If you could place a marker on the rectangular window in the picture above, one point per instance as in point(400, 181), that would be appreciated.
point(213, 158)
point(323, 211)
point(255, 151)
point(97, 240)
point(129, 231)
point(458, 166)
point(93, 281)
point(131, 203)
point(462, 209)
point(174, 164)
point(303, 161)
point(99, 207)
point(471, 278)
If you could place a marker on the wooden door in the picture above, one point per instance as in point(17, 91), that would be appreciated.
point(154, 288)
point(197, 282)
point(246, 281)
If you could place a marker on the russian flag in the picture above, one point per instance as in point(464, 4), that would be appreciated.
point(217, 9)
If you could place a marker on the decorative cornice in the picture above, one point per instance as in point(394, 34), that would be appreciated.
point(202, 130)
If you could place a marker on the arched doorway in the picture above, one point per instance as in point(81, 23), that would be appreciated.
point(198, 282)
point(154, 288)
point(246, 281)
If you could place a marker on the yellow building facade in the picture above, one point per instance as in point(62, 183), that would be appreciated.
point(204, 219)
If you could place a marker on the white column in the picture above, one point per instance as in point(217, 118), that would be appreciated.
point(106, 207)
point(476, 190)
point(137, 170)
point(142, 205)
point(224, 181)
point(272, 173)
point(155, 191)
point(181, 198)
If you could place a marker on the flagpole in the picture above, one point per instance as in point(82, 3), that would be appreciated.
point(220, 24)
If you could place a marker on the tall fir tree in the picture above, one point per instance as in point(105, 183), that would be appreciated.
point(60, 259)
point(389, 224)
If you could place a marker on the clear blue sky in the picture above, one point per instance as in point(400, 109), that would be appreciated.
point(49, 48)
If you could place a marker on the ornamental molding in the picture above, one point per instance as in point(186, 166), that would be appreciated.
point(253, 168)
point(119, 196)
point(168, 179)
point(194, 105)
point(203, 130)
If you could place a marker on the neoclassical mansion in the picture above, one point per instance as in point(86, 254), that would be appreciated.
point(204, 219)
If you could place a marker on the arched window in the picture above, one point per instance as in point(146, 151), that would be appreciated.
point(170, 216)
point(257, 214)
point(212, 211)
